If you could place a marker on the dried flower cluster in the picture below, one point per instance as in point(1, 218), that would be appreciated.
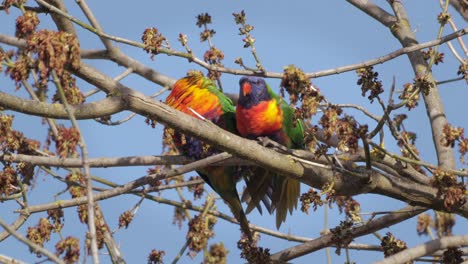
point(251, 252)
point(308, 198)
point(425, 222)
point(71, 247)
point(443, 18)
point(410, 95)
point(54, 51)
point(153, 41)
point(200, 230)
point(444, 223)
point(451, 135)
point(452, 256)
point(368, 79)
point(463, 69)
point(215, 57)
point(245, 29)
point(13, 141)
point(72, 93)
point(342, 235)
point(26, 24)
point(40, 233)
point(423, 83)
point(346, 128)
point(8, 3)
point(125, 219)
point(217, 254)
point(299, 88)
point(392, 245)
point(438, 56)
point(351, 207)
point(57, 217)
point(156, 256)
point(203, 20)
point(196, 189)
point(179, 217)
point(67, 141)
point(449, 189)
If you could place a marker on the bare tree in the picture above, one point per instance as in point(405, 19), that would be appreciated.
point(345, 156)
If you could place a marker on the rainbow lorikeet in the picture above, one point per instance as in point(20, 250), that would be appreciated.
point(198, 96)
point(261, 113)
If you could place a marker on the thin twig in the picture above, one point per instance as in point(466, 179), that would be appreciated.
point(87, 174)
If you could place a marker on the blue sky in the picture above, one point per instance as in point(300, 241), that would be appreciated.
point(313, 35)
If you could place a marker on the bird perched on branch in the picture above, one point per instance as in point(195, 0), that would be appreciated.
point(261, 113)
point(199, 97)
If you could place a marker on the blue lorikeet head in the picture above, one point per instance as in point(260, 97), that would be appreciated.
point(253, 90)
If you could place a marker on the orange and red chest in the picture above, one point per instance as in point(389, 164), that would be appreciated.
point(262, 119)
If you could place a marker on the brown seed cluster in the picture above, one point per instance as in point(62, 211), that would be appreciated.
point(368, 79)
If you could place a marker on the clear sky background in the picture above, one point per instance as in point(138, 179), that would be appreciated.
point(313, 35)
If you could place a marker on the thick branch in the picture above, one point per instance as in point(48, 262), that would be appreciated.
point(345, 183)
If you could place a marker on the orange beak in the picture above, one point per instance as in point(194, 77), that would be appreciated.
point(246, 88)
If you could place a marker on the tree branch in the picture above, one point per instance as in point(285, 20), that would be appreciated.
point(112, 162)
point(427, 248)
point(327, 240)
point(104, 107)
